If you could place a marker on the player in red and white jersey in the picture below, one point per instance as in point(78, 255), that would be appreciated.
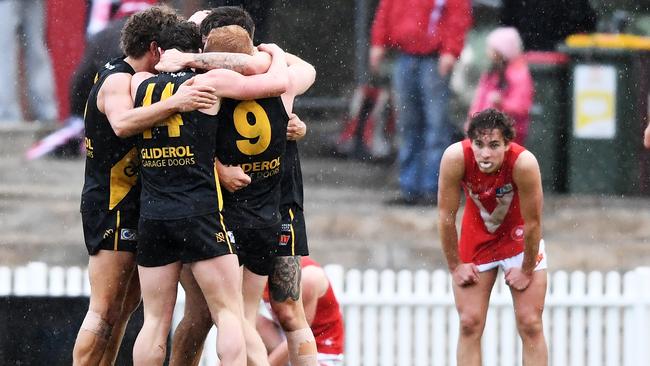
point(323, 315)
point(501, 228)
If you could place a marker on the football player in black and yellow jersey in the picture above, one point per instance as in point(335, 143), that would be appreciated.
point(109, 201)
point(252, 140)
point(180, 217)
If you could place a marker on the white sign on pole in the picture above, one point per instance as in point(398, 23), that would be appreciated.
point(594, 95)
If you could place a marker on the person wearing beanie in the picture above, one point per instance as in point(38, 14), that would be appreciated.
point(507, 84)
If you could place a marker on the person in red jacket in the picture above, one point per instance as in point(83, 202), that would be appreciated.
point(323, 315)
point(428, 36)
point(501, 228)
point(507, 85)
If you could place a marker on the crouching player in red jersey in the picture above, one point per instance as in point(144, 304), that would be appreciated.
point(323, 315)
point(501, 227)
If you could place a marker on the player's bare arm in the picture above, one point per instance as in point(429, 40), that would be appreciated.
point(646, 136)
point(231, 84)
point(526, 176)
point(174, 60)
point(452, 170)
point(296, 128)
point(116, 102)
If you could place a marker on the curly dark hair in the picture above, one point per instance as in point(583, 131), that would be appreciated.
point(144, 27)
point(228, 15)
point(488, 120)
point(184, 36)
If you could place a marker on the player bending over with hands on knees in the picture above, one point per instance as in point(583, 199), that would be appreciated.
point(501, 228)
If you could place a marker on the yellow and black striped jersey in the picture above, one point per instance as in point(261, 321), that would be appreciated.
point(253, 135)
point(177, 157)
point(111, 176)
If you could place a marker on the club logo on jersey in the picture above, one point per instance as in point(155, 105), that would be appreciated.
point(128, 235)
point(517, 233)
point(502, 191)
point(284, 239)
point(220, 237)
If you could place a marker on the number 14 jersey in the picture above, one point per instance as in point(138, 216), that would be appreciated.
point(178, 175)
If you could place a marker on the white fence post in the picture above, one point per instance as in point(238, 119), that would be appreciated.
point(630, 340)
point(370, 291)
point(577, 333)
point(613, 320)
point(558, 343)
point(422, 320)
point(595, 347)
point(352, 318)
point(387, 324)
point(642, 317)
point(439, 335)
point(404, 319)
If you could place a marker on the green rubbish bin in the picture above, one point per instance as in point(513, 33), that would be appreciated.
point(608, 110)
point(547, 133)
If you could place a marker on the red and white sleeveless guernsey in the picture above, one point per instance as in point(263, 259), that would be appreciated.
point(492, 227)
point(328, 322)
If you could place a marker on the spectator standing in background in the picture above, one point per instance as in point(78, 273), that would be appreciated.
point(25, 20)
point(428, 37)
point(507, 85)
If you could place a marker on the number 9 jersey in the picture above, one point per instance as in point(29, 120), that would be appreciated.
point(253, 135)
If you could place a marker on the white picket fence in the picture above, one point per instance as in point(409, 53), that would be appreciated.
point(408, 318)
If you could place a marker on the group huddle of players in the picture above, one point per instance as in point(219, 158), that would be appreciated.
point(191, 173)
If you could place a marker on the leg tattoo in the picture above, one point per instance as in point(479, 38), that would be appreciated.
point(284, 281)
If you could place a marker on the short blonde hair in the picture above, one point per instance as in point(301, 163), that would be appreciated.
point(230, 38)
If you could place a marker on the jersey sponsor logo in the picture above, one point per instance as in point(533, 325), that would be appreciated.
point(262, 169)
point(231, 236)
point(286, 228)
point(284, 239)
point(108, 233)
point(166, 152)
point(124, 176)
point(128, 235)
point(109, 66)
point(159, 157)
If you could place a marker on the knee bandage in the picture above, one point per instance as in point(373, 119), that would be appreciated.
point(302, 347)
point(94, 323)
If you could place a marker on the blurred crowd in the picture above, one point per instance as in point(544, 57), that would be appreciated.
point(442, 42)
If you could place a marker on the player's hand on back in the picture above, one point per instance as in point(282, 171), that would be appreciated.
point(465, 274)
point(296, 128)
point(517, 279)
point(232, 177)
point(171, 60)
point(190, 97)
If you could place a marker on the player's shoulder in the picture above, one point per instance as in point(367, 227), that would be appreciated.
point(454, 152)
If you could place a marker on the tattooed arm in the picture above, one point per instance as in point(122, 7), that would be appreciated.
point(174, 60)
